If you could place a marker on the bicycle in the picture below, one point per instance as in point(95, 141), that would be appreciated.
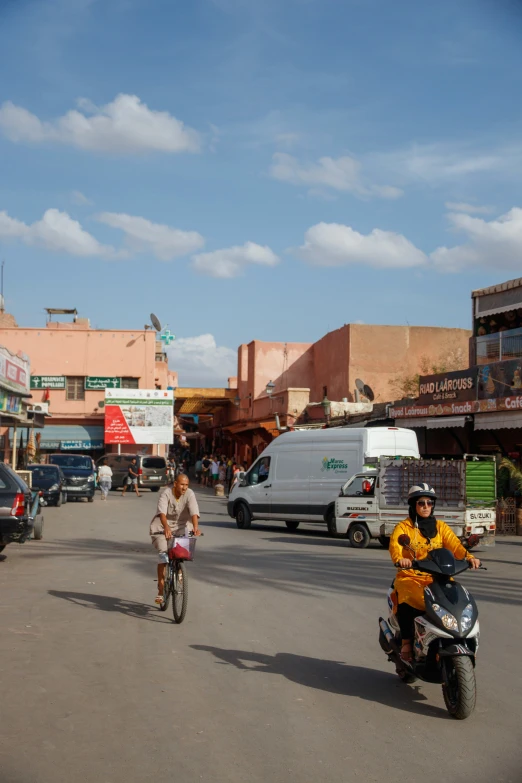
point(176, 580)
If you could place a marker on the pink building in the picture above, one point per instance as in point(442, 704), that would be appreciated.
point(303, 373)
point(71, 364)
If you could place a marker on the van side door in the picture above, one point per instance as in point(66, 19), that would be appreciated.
point(330, 467)
point(290, 491)
point(258, 489)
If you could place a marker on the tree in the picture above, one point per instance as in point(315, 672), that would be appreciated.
point(515, 474)
point(407, 385)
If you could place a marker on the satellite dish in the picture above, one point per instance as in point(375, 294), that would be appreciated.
point(155, 322)
point(359, 385)
point(368, 392)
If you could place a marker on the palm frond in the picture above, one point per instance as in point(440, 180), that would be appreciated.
point(515, 473)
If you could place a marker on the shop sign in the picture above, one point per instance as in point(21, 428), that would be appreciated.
point(47, 381)
point(513, 403)
point(460, 385)
point(98, 383)
point(14, 370)
point(73, 445)
point(10, 403)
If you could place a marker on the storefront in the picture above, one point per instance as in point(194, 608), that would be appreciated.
point(14, 394)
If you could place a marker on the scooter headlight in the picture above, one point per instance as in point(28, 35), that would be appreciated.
point(466, 619)
point(447, 619)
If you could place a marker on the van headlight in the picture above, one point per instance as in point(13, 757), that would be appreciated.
point(90, 478)
point(466, 619)
point(54, 488)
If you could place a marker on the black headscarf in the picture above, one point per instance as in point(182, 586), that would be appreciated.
point(426, 525)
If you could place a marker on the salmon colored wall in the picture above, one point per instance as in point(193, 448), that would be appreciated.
point(378, 354)
point(84, 352)
point(331, 356)
point(287, 365)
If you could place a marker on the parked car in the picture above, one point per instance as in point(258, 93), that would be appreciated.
point(16, 503)
point(50, 480)
point(152, 471)
point(79, 474)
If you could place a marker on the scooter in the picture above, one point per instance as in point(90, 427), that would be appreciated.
point(446, 637)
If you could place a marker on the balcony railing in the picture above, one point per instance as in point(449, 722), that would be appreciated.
point(499, 347)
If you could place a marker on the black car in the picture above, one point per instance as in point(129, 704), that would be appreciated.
point(50, 480)
point(79, 474)
point(16, 500)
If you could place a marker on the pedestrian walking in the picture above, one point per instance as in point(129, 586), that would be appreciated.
point(198, 469)
point(205, 473)
point(222, 474)
point(105, 478)
point(228, 476)
point(132, 478)
point(214, 471)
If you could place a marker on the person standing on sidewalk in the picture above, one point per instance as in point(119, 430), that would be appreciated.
point(132, 478)
point(105, 478)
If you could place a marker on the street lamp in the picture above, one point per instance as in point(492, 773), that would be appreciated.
point(270, 387)
point(327, 408)
point(237, 401)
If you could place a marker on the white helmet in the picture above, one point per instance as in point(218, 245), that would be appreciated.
point(421, 491)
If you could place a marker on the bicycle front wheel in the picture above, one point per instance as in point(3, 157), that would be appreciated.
point(179, 592)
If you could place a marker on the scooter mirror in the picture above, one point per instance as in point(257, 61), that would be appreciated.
point(404, 540)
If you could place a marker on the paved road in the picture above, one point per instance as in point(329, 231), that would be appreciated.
point(275, 675)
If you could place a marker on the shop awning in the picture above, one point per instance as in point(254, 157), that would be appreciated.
point(432, 423)
point(70, 437)
point(498, 421)
point(442, 422)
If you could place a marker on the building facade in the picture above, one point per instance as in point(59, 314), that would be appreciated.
point(71, 365)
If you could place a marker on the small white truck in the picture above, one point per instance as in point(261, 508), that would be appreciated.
point(373, 501)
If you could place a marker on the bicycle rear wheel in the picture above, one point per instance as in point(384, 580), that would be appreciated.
point(167, 589)
point(179, 592)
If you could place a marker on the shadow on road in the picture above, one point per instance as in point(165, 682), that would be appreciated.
point(106, 603)
point(332, 677)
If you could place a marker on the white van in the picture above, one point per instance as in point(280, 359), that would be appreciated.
point(298, 476)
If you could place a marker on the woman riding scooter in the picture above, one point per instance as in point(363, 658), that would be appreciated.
point(425, 533)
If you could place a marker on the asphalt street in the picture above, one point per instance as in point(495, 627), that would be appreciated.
point(275, 675)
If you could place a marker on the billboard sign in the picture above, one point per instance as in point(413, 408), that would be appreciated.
point(139, 416)
point(14, 372)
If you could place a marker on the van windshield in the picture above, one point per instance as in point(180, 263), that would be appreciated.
point(71, 461)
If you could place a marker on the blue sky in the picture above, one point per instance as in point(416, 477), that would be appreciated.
point(258, 169)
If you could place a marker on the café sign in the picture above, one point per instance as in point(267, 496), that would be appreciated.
point(459, 386)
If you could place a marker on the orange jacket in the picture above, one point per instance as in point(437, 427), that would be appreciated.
point(410, 584)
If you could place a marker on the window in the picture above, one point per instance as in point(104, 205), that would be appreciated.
point(130, 383)
point(153, 462)
point(71, 461)
point(361, 486)
point(75, 388)
point(260, 471)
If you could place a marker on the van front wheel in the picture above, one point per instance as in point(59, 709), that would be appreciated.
point(359, 536)
point(243, 517)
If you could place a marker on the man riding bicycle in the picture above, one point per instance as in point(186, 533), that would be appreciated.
point(177, 507)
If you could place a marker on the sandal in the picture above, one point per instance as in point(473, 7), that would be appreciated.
point(158, 599)
point(406, 652)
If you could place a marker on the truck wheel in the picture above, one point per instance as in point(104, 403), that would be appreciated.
point(59, 500)
point(359, 536)
point(243, 517)
point(38, 528)
point(384, 541)
point(90, 499)
point(330, 524)
point(292, 524)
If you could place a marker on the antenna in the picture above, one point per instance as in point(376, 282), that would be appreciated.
point(362, 388)
point(2, 300)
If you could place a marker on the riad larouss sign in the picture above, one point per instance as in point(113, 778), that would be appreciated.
point(457, 386)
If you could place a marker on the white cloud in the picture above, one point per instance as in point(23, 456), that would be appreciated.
point(333, 244)
point(78, 198)
point(341, 174)
point(199, 361)
point(231, 261)
point(436, 164)
point(493, 244)
point(470, 209)
point(56, 231)
point(124, 126)
point(142, 235)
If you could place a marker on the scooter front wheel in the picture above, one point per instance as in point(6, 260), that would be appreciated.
point(460, 688)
